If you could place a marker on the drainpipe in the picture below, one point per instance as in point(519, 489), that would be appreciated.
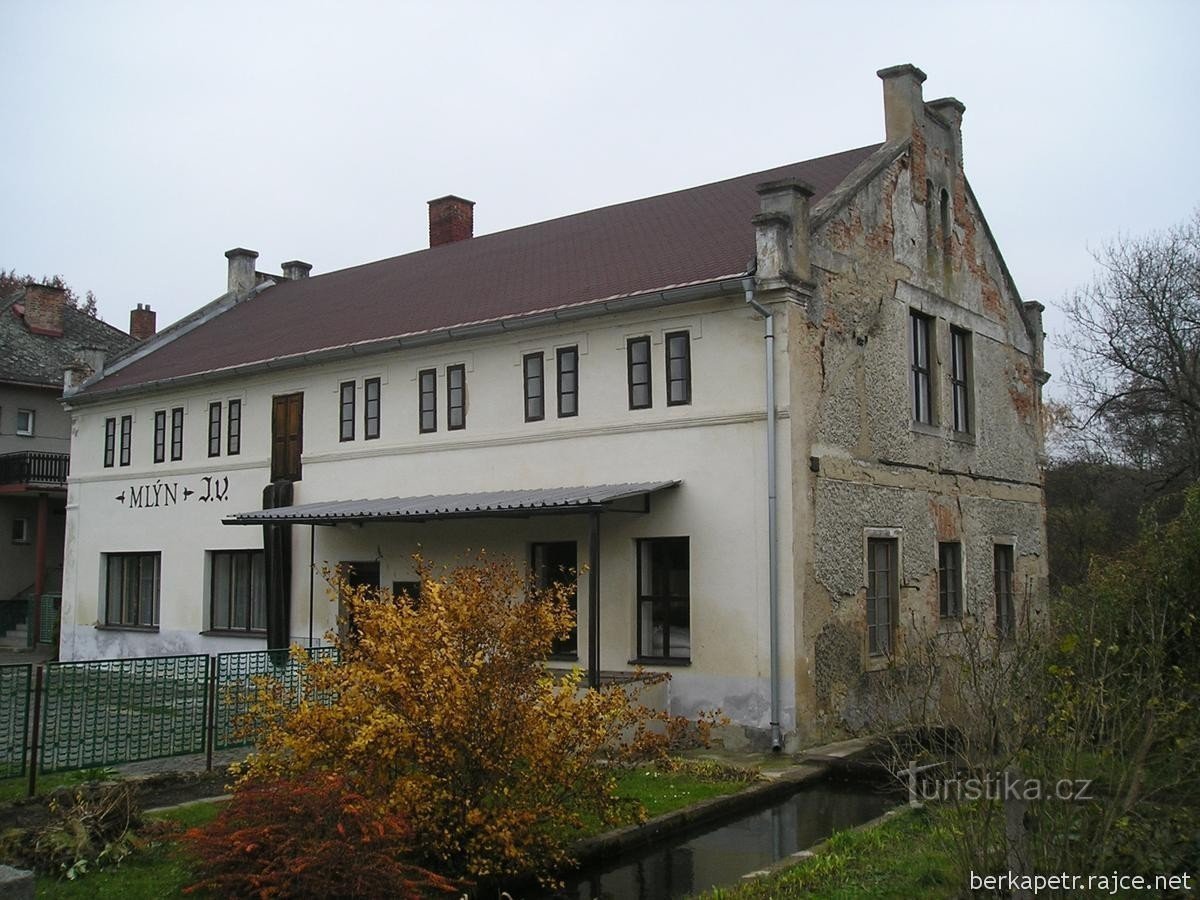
point(772, 513)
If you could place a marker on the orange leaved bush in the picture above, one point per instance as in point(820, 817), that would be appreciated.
point(446, 715)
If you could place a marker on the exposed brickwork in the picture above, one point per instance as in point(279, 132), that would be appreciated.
point(44, 309)
point(142, 322)
point(451, 219)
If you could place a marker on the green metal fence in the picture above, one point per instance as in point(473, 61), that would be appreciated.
point(236, 677)
point(107, 712)
point(15, 704)
point(48, 623)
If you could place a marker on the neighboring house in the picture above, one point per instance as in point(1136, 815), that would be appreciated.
point(41, 337)
point(591, 393)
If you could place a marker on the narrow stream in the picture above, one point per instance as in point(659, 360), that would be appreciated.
point(721, 853)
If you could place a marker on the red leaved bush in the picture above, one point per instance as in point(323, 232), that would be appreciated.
point(313, 838)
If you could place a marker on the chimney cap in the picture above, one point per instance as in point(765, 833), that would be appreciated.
point(241, 251)
point(454, 197)
point(902, 70)
point(944, 102)
point(296, 264)
point(41, 285)
point(783, 185)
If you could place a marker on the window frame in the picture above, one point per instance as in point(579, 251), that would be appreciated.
point(460, 407)
point(560, 370)
point(347, 410)
point(889, 601)
point(160, 436)
point(20, 530)
point(534, 386)
point(110, 442)
point(568, 647)
point(960, 379)
point(287, 449)
point(1006, 619)
point(950, 580)
point(177, 434)
point(233, 428)
point(118, 621)
point(30, 428)
point(921, 328)
point(372, 398)
point(630, 343)
point(427, 391)
point(126, 445)
point(668, 599)
point(215, 414)
point(686, 379)
point(250, 555)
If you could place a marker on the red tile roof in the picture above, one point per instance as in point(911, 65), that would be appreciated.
point(686, 237)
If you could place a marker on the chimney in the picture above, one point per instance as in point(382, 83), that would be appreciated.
point(241, 270)
point(295, 270)
point(142, 322)
point(951, 112)
point(88, 361)
point(450, 219)
point(44, 309)
point(782, 233)
point(903, 108)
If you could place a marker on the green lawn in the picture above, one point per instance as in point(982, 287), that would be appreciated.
point(661, 792)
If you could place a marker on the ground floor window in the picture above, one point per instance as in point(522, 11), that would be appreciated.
point(664, 598)
point(238, 591)
point(883, 594)
point(1005, 611)
point(132, 587)
point(950, 579)
point(556, 563)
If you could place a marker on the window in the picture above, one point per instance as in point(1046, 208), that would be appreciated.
point(132, 582)
point(568, 382)
point(554, 563)
point(371, 409)
point(664, 614)
point(110, 442)
point(237, 591)
point(950, 579)
point(947, 235)
point(428, 388)
point(126, 439)
point(287, 436)
point(233, 436)
point(930, 228)
point(347, 407)
point(679, 368)
point(456, 397)
point(638, 352)
point(20, 531)
point(883, 593)
point(1005, 613)
point(408, 589)
point(160, 435)
point(535, 387)
point(214, 429)
point(922, 398)
point(25, 422)
point(177, 433)
point(960, 368)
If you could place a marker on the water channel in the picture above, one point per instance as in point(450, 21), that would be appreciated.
point(720, 853)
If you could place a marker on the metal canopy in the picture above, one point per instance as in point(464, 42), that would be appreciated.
point(630, 497)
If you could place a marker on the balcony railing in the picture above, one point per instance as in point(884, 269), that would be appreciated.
point(34, 467)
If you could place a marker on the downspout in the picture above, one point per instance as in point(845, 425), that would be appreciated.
point(772, 513)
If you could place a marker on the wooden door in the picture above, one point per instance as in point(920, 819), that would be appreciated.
point(287, 436)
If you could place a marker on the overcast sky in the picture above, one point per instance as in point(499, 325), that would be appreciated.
point(145, 139)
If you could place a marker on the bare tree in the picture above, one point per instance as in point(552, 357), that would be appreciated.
point(1135, 345)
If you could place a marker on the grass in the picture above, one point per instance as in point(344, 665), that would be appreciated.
point(906, 856)
point(661, 792)
point(15, 788)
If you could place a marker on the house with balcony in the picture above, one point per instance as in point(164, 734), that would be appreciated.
point(42, 337)
point(774, 427)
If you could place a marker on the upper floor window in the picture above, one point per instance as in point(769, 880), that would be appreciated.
point(160, 435)
point(177, 433)
point(947, 234)
point(214, 429)
point(371, 405)
point(233, 434)
point(950, 579)
point(920, 327)
point(126, 439)
point(110, 442)
point(347, 411)
point(25, 419)
point(533, 366)
point(132, 589)
point(1005, 608)
point(679, 368)
point(638, 355)
point(883, 594)
point(960, 371)
point(568, 382)
point(427, 384)
point(456, 397)
point(237, 591)
point(664, 598)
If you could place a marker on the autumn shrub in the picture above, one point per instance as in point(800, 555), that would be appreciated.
point(447, 716)
point(312, 837)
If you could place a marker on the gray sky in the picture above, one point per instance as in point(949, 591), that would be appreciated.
point(145, 139)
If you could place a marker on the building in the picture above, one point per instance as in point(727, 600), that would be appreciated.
point(42, 337)
point(764, 519)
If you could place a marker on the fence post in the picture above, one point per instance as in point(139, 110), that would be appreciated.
point(33, 739)
point(212, 709)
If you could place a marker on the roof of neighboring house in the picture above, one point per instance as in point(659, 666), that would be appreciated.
point(687, 237)
point(39, 359)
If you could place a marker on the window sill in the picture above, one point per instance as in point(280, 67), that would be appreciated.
point(925, 429)
point(681, 661)
point(963, 437)
point(147, 629)
point(235, 633)
point(563, 657)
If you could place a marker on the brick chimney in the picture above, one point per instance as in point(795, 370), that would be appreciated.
point(44, 309)
point(241, 270)
point(450, 219)
point(142, 322)
point(295, 270)
point(903, 107)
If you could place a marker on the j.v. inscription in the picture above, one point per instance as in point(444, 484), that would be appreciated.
point(212, 489)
